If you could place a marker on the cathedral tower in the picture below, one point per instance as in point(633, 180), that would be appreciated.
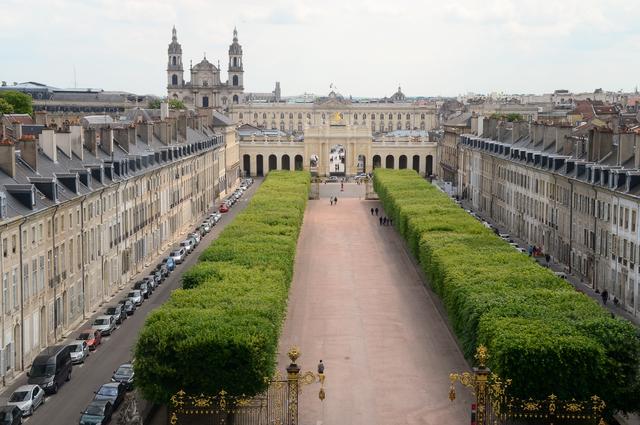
point(174, 66)
point(236, 70)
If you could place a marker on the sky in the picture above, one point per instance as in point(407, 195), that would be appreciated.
point(364, 48)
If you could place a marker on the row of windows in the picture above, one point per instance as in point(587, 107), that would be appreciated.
point(324, 116)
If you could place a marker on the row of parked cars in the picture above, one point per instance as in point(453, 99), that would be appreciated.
point(53, 366)
point(230, 200)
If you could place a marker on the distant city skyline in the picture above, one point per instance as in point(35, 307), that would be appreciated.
point(366, 49)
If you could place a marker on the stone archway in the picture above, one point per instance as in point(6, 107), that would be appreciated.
point(402, 162)
point(389, 162)
point(429, 169)
point(416, 163)
point(286, 162)
point(246, 164)
point(362, 164)
point(377, 161)
point(273, 162)
point(259, 165)
point(298, 163)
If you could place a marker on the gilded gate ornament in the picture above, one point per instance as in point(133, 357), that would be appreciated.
point(496, 407)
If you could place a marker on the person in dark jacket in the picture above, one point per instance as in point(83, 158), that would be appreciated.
point(376, 210)
point(605, 296)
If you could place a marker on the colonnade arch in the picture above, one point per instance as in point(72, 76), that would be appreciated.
point(286, 162)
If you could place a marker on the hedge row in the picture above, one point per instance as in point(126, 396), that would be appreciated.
point(221, 330)
point(540, 332)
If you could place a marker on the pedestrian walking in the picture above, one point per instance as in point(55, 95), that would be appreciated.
point(605, 296)
point(335, 200)
point(371, 211)
point(376, 211)
point(380, 221)
point(384, 221)
point(547, 258)
point(390, 222)
point(331, 200)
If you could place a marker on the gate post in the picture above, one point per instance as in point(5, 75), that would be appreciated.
point(293, 370)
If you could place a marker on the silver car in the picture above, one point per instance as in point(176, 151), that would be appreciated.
point(79, 351)
point(105, 324)
point(178, 255)
point(135, 296)
point(187, 245)
point(27, 398)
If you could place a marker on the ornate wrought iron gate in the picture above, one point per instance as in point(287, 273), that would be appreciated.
point(277, 405)
point(494, 406)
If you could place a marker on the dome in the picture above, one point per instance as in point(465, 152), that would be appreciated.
point(205, 65)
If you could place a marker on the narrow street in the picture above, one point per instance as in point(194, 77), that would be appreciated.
point(64, 408)
point(359, 303)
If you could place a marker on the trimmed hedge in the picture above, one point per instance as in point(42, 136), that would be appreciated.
point(540, 332)
point(221, 330)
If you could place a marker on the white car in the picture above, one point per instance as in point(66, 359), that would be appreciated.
point(79, 351)
point(27, 398)
point(187, 245)
point(178, 255)
point(105, 324)
point(206, 226)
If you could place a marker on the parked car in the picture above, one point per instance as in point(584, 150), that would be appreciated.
point(113, 392)
point(143, 287)
point(170, 263)
point(178, 255)
point(79, 351)
point(187, 245)
point(504, 236)
point(10, 415)
point(92, 337)
point(51, 368)
point(27, 398)
point(331, 179)
point(124, 374)
point(163, 269)
point(97, 412)
point(117, 312)
point(151, 283)
point(205, 227)
point(561, 275)
point(158, 276)
point(105, 324)
point(223, 208)
point(136, 297)
point(128, 306)
point(195, 236)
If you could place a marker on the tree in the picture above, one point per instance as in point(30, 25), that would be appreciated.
point(176, 104)
point(5, 107)
point(21, 103)
point(154, 103)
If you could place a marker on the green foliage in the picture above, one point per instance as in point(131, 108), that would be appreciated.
point(221, 330)
point(511, 117)
point(5, 107)
point(173, 103)
point(539, 331)
point(20, 102)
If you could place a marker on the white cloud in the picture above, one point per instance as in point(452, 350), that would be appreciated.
point(364, 47)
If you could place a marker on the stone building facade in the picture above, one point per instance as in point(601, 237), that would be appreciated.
point(205, 89)
point(83, 209)
point(574, 192)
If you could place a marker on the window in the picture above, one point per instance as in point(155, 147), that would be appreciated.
point(281, 115)
point(25, 282)
point(235, 80)
point(41, 282)
point(173, 60)
point(39, 232)
point(174, 80)
point(205, 101)
point(34, 276)
point(5, 292)
point(4, 247)
point(33, 235)
point(633, 220)
point(14, 287)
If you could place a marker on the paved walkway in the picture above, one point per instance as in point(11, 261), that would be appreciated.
point(358, 303)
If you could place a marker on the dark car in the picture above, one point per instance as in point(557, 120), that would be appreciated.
point(97, 412)
point(10, 415)
point(113, 392)
point(151, 283)
point(127, 306)
point(117, 312)
point(51, 368)
point(143, 287)
point(163, 269)
point(125, 375)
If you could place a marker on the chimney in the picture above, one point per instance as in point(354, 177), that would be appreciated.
point(173, 130)
point(90, 141)
point(549, 136)
point(164, 111)
point(131, 130)
point(41, 118)
point(48, 144)
point(76, 140)
point(182, 126)
point(600, 144)
point(121, 136)
point(161, 130)
point(561, 136)
point(29, 151)
point(626, 147)
point(8, 157)
point(145, 130)
point(106, 140)
point(63, 142)
point(17, 130)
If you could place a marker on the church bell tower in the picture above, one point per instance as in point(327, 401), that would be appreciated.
point(175, 71)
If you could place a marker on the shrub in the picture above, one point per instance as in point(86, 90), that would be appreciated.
point(540, 332)
point(221, 330)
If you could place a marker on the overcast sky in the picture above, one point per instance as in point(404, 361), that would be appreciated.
point(366, 48)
